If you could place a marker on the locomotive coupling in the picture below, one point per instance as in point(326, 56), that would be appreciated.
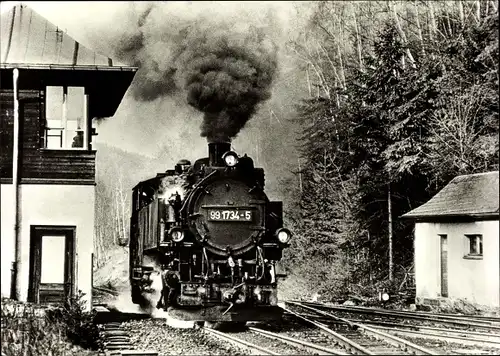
point(235, 295)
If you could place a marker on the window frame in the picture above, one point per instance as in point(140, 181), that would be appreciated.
point(64, 130)
point(478, 242)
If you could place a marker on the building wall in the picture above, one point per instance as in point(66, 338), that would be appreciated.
point(39, 165)
point(50, 204)
point(474, 280)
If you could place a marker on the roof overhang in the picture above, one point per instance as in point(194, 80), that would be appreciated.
point(452, 217)
point(68, 67)
point(105, 84)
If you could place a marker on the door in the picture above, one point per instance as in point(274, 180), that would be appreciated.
point(444, 265)
point(51, 264)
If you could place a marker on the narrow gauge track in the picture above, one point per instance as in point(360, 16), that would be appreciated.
point(466, 337)
point(494, 320)
point(444, 335)
point(489, 324)
point(316, 349)
point(270, 343)
point(488, 338)
point(356, 338)
point(116, 340)
point(252, 348)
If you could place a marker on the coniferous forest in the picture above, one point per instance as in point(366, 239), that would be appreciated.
point(403, 96)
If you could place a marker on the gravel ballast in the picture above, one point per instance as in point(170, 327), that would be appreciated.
point(155, 334)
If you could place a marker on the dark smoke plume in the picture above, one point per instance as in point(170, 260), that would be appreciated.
point(224, 73)
point(226, 82)
point(152, 83)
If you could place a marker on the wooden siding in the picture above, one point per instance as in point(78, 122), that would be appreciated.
point(36, 163)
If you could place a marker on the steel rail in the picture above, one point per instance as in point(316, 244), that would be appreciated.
point(480, 318)
point(320, 350)
point(408, 315)
point(349, 345)
point(380, 335)
point(470, 318)
point(443, 336)
point(430, 328)
point(238, 342)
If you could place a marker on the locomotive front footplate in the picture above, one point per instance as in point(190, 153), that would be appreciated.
point(218, 313)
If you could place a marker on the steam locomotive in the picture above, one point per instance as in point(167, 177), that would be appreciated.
point(212, 227)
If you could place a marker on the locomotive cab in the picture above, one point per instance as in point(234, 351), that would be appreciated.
point(216, 220)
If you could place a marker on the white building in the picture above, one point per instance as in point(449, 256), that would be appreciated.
point(457, 250)
point(50, 89)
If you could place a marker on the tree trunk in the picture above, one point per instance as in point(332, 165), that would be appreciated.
point(478, 11)
point(461, 13)
point(342, 73)
point(450, 29)
point(300, 176)
point(358, 43)
point(403, 36)
point(123, 206)
point(432, 27)
point(389, 211)
point(308, 81)
point(419, 28)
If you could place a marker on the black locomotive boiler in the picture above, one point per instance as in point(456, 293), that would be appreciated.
point(213, 229)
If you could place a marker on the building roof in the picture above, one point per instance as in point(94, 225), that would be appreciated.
point(30, 39)
point(46, 55)
point(472, 196)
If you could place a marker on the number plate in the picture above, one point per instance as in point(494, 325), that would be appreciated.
point(229, 215)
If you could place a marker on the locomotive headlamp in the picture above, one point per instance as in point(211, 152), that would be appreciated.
point(202, 291)
point(176, 234)
point(283, 235)
point(273, 298)
point(231, 158)
point(258, 293)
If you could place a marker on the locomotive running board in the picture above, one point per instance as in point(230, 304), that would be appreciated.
point(265, 313)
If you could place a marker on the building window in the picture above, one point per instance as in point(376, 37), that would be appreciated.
point(475, 245)
point(66, 117)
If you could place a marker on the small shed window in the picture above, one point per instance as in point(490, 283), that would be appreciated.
point(66, 118)
point(475, 245)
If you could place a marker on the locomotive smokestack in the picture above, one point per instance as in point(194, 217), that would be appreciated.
point(215, 152)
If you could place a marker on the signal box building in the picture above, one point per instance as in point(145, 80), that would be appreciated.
point(457, 250)
point(50, 89)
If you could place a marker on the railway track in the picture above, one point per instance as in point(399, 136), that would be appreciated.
point(449, 330)
point(357, 338)
point(257, 341)
point(486, 341)
point(489, 338)
point(444, 335)
point(489, 324)
point(479, 318)
point(313, 348)
point(326, 334)
point(116, 340)
point(249, 347)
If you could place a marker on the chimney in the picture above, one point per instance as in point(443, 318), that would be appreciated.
point(215, 152)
